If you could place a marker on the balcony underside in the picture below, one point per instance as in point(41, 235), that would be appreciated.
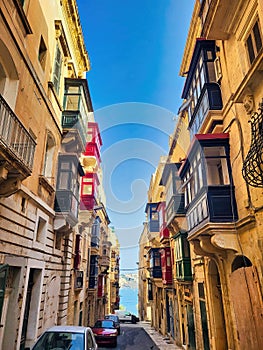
point(219, 18)
point(216, 239)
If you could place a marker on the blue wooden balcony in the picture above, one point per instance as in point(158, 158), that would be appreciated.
point(212, 204)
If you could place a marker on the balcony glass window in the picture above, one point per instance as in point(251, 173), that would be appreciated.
point(75, 99)
point(68, 176)
point(169, 189)
point(155, 260)
point(193, 181)
point(87, 185)
point(154, 216)
point(216, 166)
point(72, 98)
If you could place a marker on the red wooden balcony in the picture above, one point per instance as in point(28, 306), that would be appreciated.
point(166, 263)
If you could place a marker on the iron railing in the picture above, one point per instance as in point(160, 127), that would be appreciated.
point(15, 137)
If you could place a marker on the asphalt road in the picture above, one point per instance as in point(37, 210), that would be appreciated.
point(133, 337)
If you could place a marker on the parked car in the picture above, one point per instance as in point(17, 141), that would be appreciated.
point(105, 332)
point(116, 320)
point(126, 316)
point(67, 337)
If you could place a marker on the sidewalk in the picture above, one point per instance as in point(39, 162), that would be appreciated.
point(162, 342)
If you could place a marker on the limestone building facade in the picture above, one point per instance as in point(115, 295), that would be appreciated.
point(219, 174)
point(45, 117)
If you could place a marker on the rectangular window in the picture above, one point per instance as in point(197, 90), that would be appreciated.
point(254, 42)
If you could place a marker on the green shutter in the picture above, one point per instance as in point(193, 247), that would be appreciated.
point(57, 69)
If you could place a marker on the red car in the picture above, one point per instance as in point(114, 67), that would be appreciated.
point(105, 332)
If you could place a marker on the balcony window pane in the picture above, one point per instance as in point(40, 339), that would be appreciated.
point(154, 216)
point(209, 55)
point(204, 208)
point(186, 248)
point(87, 189)
point(211, 72)
point(73, 89)
point(65, 166)
point(63, 181)
point(216, 165)
point(202, 76)
point(72, 103)
point(169, 189)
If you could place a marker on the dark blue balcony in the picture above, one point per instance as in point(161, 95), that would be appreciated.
point(213, 204)
point(175, 207)
point(210, 100)
point(155, 272)
point(152, 217)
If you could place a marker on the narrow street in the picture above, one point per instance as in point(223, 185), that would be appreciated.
point(133, 336)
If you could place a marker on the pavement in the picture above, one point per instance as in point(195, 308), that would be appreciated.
point(161, 341)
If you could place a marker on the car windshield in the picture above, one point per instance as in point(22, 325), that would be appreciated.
point(111, 317)
point(104, 324)
point(60, 341)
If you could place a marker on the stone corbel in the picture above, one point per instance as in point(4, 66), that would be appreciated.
point(198, 250)
point(225, 241)
point(10, 186)
point(208, 247)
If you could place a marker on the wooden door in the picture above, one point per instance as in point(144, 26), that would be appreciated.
point(248, 307)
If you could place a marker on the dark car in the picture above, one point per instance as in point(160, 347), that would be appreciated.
point(67, 337)
point(105, 332)
point(116, 320)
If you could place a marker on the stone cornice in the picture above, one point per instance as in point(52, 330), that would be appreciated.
point(71, 13)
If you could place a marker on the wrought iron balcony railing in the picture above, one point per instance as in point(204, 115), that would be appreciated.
point(15, 140)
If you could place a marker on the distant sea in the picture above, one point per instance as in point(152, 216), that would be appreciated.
point(129, 299)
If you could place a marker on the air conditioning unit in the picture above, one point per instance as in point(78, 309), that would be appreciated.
point(218, 70)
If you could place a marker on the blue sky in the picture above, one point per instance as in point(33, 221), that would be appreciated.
point(135, 48)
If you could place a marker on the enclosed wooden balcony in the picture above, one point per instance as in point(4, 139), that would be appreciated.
point(17, 149)
point(210, 100)
point(77, 108)
point(183, 271)
point(155, 268)
point(73, 126)
point(67, 191)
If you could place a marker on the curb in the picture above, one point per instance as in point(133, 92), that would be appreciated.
point(161, 341)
